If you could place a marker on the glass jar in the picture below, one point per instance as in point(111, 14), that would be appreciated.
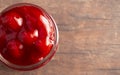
point(45, 19)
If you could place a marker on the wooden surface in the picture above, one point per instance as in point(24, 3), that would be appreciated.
point(89, 37)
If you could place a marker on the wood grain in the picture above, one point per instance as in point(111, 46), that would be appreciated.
point(89, 37)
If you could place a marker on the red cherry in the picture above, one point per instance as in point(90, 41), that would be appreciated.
point(28, 37)
point(43, 46)
point(12, 20)
point(15, 49)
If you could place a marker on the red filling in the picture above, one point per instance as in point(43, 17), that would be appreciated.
point(26, 34)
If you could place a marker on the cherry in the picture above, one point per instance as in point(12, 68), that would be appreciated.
point(12, 20)
point(27, 34)
point(14, 48)
point(28, 37)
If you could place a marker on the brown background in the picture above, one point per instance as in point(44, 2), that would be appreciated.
point(89, 37)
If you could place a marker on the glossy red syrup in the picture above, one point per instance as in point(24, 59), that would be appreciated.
point(27, 34)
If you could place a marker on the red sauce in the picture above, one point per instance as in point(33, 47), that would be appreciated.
point(27, 34)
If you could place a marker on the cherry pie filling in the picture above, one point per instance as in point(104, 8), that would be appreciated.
point(27, 34)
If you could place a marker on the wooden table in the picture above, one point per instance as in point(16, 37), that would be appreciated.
point(89, 37)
